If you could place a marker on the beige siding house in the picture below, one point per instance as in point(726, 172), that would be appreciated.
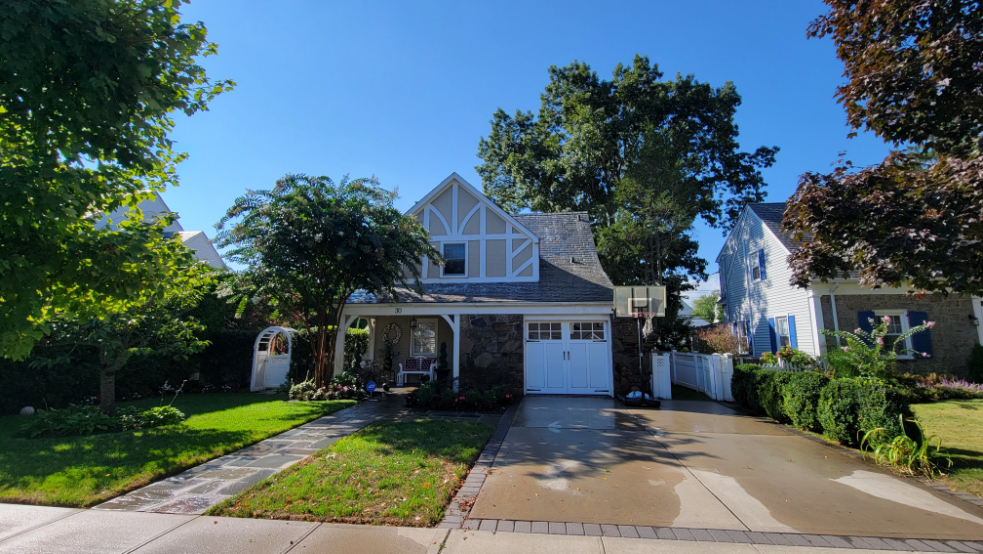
point(520, 301)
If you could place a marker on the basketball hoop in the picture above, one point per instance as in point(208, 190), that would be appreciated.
point(643, 315)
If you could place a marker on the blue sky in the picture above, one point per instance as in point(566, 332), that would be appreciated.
point(404, 90)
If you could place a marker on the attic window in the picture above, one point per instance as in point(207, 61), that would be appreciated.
point(455, 259)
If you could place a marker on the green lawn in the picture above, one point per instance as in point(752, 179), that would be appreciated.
point(83, 471)
point(389, 473)
point(960, 425)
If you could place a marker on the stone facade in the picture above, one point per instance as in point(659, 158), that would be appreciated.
point(492, 351)
point(624, 347)
point(952, 337)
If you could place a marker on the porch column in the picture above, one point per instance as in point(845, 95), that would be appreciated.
point(454, 321)
point(339, 345)
point(370, 354)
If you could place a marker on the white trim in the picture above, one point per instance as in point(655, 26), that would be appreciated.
point(522, 268)
point(470, 188)
point(551, 309)
point(466, 260)
point(437, 213)
point(521, 248)
point(467, 219)
point(815, 315)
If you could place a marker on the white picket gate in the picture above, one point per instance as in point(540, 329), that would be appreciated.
point(708, 373)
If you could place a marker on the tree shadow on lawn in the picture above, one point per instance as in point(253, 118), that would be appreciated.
point(83, 471)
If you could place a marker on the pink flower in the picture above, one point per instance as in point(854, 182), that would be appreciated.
point(870, 319)
point(925, 355)
point(880, 340)
point(455, 400)
point(845, 348)
point(930, 324)
point(857, 330)
point(886, 319)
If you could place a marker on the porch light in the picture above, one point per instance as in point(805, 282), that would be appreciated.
point(413, 323)
point(974, 320)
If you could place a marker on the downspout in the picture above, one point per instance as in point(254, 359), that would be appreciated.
point(832, 303)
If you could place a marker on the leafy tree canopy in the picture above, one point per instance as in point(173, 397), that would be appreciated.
point(589, 132)
point(915, 219)
point(87, 93)
point(309, 243)
point(707, 308)
point(154, 320)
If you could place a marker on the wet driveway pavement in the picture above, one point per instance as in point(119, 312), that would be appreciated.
point(700, 465)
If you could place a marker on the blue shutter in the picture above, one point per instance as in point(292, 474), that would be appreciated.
point(761, 264)
point(864, 322)
point(793, 340)
point(920, 342)
point(772, 335)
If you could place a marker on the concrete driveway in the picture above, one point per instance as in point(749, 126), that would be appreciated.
point(701, 465)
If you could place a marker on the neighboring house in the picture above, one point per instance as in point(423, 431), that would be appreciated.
point(195, 240)
point(686, 313)
point(766, 312)
point(521, 301)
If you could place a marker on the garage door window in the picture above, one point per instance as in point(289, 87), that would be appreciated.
point(589, 330)
point(545, 331)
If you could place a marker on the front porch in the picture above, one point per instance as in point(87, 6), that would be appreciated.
point(421, 346)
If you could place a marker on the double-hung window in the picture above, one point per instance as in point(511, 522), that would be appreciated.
point(424, 340)
point(758, 265)
point(896, 327)
point(782, 332)
point(455, 259)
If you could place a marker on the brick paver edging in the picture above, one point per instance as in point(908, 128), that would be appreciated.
point(460, 506)
point(721, 535)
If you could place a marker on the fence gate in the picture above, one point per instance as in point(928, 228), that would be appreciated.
point(271, 358)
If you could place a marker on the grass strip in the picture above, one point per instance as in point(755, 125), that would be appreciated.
point(960, 425)
point(390, 473)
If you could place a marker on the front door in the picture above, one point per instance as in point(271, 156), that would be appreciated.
point(568, 357)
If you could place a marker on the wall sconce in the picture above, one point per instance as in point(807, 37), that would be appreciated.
point(413, 323)
point(974, 320)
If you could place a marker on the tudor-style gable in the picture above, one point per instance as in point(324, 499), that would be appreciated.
point(480, 242)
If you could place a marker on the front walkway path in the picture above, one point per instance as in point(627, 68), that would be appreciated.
point(196, 490)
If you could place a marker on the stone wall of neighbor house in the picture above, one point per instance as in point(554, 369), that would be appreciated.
point(952, 337)
point(625, 349)
point(491, 351)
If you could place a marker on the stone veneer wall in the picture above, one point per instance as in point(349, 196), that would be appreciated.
point(625, 349)
point(952, 337)
point(492, 351)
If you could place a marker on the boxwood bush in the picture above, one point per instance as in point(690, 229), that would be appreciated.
point(771, 393)
point(839, 406)
point(801, 399)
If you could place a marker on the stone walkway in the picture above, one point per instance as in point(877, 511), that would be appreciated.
point(196, 490)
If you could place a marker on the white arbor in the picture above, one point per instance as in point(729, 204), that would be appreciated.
point(271, 358)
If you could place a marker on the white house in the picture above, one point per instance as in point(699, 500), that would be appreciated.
point(521, 301)
point(766, 312)
point(195, 240)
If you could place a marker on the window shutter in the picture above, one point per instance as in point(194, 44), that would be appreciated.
point(793, 340)
point(772, 335)
point(920, 342)
point(750, 339)
point(864, 321)
point(761, 264)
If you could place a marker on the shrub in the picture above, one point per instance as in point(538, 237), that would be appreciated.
point(907, 455)
point(974, 365)
point(868, 352)
point(771, 390)
point(881, 406)
point(437, 396)
point(88, 420)
point(302, 359)
point(717, 339)
point(839, 409)
point(742, 383)
point(795, 360)
point(801, 399)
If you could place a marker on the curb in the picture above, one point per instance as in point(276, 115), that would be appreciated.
point(460, 506)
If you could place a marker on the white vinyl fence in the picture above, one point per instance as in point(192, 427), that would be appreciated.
point(707, 373)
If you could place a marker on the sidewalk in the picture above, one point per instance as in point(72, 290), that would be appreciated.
point(38, 529)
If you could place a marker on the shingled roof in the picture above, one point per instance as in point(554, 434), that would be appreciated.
point(771, 214)
point(569, 269)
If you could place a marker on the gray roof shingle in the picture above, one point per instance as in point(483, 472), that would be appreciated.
point(569, 269)
point(771, 213)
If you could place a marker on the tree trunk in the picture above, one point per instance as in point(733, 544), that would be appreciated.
point(107, 391)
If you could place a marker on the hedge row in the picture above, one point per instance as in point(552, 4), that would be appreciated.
point(841, 409)
point(226, 365)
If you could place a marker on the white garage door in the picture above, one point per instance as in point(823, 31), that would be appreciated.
point(568, 357)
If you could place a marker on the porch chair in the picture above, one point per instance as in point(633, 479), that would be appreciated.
point(416, 366)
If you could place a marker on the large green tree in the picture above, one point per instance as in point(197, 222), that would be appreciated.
point(155, 321)
point(589, 132)
point(309, 243)
point(88, 90)
point(915, 78)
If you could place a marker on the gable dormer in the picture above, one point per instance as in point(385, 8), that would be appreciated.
point(479, 241)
